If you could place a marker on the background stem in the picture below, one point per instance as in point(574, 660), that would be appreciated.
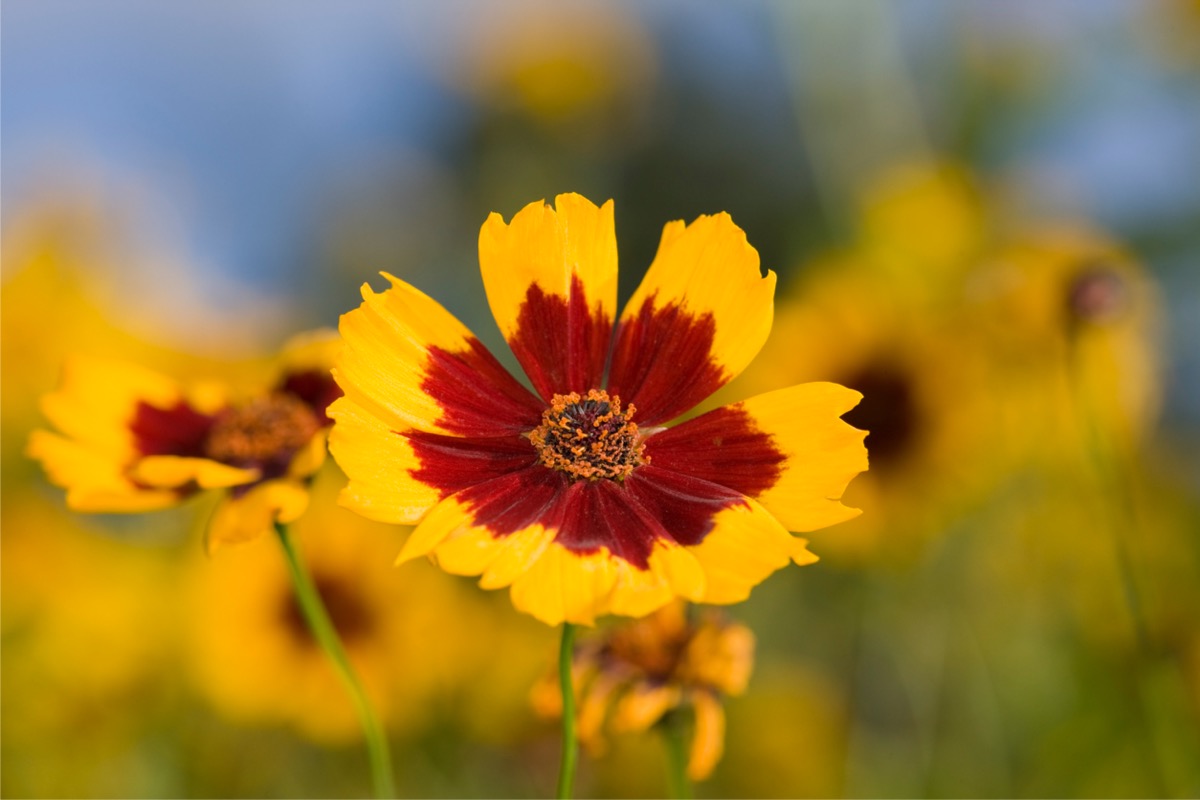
point(326, 635)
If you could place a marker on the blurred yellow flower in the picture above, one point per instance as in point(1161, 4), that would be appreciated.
point(565, 66)
point(130, 439)
point(253, 656)
point(1073, 327)
point(925, 405)
point(88, 626)
point(648, 668)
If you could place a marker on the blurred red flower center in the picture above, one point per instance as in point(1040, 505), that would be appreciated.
point(264, 429)
point(1097, 295)
point(589, 436)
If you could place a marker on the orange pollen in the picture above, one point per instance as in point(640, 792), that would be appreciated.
point(589, 436)
point(265, 429)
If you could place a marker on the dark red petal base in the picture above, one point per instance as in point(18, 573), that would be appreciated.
point(176, 431)
point(477, 395)
point(723, 446)
point(662, 362)
point(561, 344)
point(315, 387)
point(500, 481)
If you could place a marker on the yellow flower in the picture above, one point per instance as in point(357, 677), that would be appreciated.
point(130, 439)
point(252, 653)
point(577, 496)
point(88, 624)
point(566, 67)
point(926, 400)
point(1073, 323)
point(645, 669)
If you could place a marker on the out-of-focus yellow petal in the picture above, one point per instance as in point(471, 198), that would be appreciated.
point(720, 656)
point(312, 350)
point(708, 742)
point(645, 704)
point(169, 472)
point(97, 398)
point(254, 514)
point(310, 457)
point(94, 481)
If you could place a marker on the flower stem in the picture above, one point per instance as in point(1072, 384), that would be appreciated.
point(678, 785)
point(570, 745)
point(326, 635)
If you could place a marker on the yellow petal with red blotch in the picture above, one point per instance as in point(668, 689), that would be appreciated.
point(410, 363)
point(708, 741)
point(170, 472)
point(254, 514)
point(745, 545)
point(703, 309)
point(788, 449)
point(550, 581)
point(379, 463)
point(823, 453)
point(96, 399)
point(95, 481)
point(644, 705)
point(551, 282)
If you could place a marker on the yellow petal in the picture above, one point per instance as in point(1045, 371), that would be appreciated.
point(745, 545)
point(708, 742)
point(565, 586)
point(703, 307)
point(309, 458)
point(379, 463)
point(94, 481)
point(645, 704)
point(823, 452)
point(169, 472)
point(97, 398)
point(254, 514)
point(400, 345)
point(551, 281)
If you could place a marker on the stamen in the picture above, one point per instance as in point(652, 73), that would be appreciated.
point(589, 436)
point(265, 430)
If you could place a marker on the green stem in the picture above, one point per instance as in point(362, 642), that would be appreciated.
point(326, 635)
point(678, 785)
point(570, 745)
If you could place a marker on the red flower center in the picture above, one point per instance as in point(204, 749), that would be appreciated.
point(1097, 295)
point(265, 430)
point(589, 436)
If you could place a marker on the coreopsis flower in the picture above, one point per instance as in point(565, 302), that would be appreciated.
point(1074, 321)
point(130, 439)
point(576, 494)
point(636, 673)
point(927, 402)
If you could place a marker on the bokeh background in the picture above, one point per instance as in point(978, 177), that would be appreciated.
point(986, 216)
